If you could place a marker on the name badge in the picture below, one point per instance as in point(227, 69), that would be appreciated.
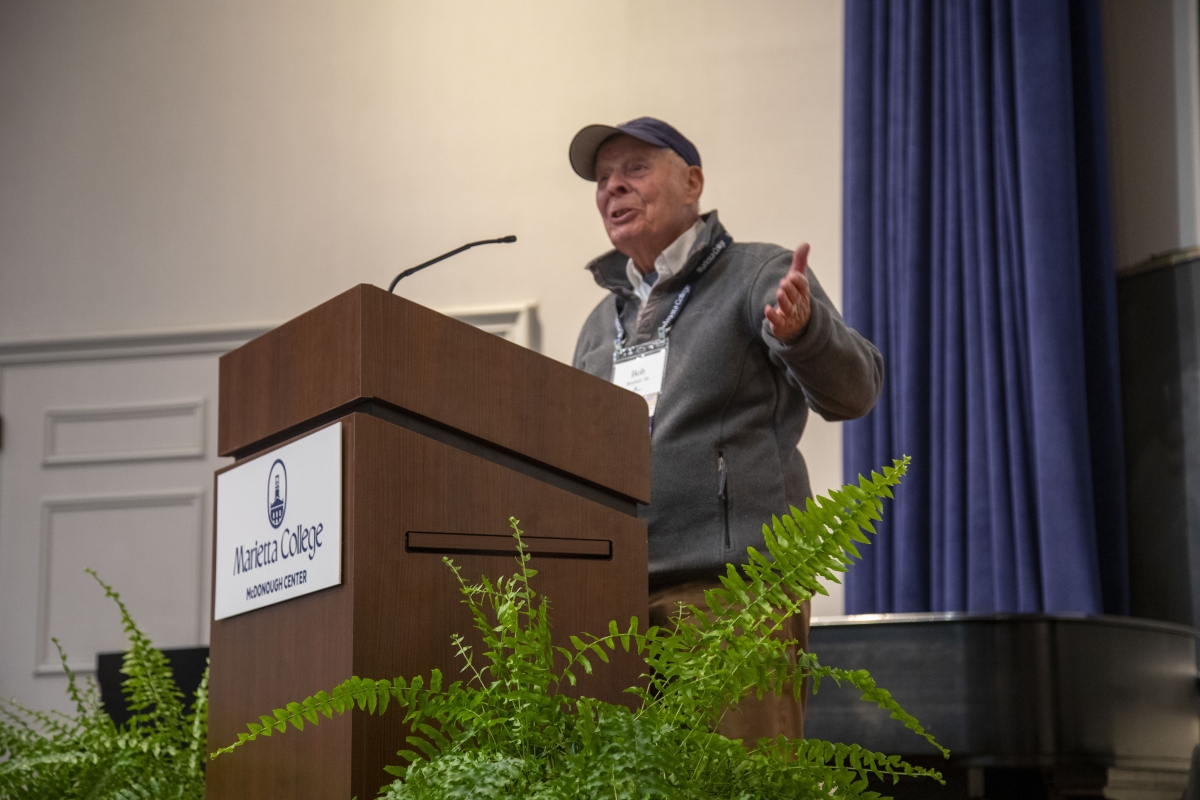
point(640, 369)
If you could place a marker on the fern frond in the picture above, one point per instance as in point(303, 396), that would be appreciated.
point(157, 754)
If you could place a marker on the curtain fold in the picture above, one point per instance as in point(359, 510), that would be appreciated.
point(977, 257)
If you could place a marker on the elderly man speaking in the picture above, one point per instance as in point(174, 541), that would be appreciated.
point(731, 343)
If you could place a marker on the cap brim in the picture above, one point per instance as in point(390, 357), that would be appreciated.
point(584, 147)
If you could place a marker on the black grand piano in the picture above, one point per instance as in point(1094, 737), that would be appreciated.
point(1030, 706)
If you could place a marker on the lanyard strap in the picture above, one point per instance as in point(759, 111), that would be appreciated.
point(723, 242)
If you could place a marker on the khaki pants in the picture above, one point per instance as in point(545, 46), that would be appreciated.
point(753, 719)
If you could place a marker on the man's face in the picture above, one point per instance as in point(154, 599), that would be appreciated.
point(646, 194)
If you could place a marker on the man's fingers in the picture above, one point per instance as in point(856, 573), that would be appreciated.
point(796, 283)
point(797, 279)
point(785, 301)
point(793, 291)
point(774, 319)
point(800, 259)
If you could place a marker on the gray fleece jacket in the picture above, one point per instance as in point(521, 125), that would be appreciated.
point(734, 400)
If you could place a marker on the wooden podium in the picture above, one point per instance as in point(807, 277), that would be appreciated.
point(447, 432)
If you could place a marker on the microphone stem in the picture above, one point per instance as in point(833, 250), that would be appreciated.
point(444, 256)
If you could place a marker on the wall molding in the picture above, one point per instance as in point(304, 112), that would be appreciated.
point(94, 347)
point(45, 658)
point(193, 408)
point(516, 322)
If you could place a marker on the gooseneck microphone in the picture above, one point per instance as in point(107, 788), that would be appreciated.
point(419, 267)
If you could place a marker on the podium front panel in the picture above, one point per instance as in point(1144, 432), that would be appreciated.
point(410, 500)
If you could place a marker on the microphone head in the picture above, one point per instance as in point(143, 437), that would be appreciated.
point(507, 240)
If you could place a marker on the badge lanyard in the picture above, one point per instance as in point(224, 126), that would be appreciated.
point(642, 367)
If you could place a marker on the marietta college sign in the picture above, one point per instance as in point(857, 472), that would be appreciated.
point(279, 524)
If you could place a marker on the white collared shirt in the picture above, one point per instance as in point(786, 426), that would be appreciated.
point(669, 261)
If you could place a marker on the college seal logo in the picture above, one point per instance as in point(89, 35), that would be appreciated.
point(277, 493)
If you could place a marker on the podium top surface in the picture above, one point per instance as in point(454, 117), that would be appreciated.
point(366, 344)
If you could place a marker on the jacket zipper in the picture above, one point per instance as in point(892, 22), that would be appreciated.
point(723, 496)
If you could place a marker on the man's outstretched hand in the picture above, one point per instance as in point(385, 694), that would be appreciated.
point(789, 315)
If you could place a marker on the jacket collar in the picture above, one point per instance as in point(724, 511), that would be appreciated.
point(609, 269)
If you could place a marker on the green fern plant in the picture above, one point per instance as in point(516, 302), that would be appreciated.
point(506, 730)
point(158, 753)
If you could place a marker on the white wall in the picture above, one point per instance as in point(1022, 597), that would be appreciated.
point(168, 165)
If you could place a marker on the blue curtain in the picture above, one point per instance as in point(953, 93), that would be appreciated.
point(977, 257)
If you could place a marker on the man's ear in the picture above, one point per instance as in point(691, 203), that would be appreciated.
point(695, 184)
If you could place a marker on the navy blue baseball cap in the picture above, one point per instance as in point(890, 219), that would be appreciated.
point(653, 131)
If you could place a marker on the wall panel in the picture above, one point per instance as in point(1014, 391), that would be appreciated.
point(146, 546)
